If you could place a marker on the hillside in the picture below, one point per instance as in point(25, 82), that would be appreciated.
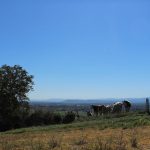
point(86, 134)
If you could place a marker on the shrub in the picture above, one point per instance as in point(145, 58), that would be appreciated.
point(57, 119)
point(48, 118)
point(43, 118)
point(17, 120)
point(69, 117)
point(36, 118)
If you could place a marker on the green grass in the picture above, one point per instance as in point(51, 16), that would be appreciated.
point(124, 121)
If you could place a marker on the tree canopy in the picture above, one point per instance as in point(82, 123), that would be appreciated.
point(15, 83)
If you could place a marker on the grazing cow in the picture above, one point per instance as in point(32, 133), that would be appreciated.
point(104, 110)
point(98, 109)
point(95, 109)
point(127, 105)
point(117, 107)
point(108, 109)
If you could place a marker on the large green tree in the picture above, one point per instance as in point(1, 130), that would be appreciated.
point(15, 84)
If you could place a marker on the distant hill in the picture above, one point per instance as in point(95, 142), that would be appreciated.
point(88, 101)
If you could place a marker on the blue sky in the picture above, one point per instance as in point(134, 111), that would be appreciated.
point(79, 49)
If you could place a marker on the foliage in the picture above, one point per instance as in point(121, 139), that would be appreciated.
point(15, 83)
point(36, 118)
point(131, 120)
point(69, 117)
point(40, 117)
point(57, 119)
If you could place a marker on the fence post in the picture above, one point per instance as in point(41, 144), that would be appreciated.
point(147, 105)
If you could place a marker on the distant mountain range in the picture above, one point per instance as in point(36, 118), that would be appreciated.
point(88, 101)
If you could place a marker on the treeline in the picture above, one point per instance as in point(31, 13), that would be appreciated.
point(36, 118)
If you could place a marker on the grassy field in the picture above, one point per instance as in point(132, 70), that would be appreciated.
point(121, 132)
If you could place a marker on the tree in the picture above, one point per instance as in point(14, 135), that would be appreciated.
point(15, 83)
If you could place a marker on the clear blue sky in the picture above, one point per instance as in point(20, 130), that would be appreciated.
point(79, 48)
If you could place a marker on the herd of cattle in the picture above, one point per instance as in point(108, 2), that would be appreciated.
point(107, 109)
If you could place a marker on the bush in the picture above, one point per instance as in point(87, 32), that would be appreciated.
point(36, 118)
point(69, 117)
point(43, 118)
point(48, 118)
point(57, 119)
point(17, 120)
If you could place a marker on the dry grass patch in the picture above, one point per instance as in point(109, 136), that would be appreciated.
point(87, 139)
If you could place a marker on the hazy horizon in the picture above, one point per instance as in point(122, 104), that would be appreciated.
point(64, 99)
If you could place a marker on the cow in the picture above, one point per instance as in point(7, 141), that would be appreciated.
point(98, 109)
point(117, 107)
point(108, 109)
point(127, 105)
point(95, 109)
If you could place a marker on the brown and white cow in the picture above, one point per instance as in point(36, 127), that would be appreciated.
point(117, 107)
point(127, 105)
point(98, 109)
